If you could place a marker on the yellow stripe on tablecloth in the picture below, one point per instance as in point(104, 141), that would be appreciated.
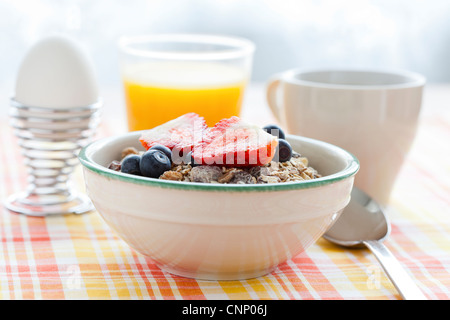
point(109, 258)
point(422, 244)
point(120, 261)
point(30, 257)
point(109, 268)
point(63, 250)
point(92, 273)
point(235, 290)
point(360, 275)
point(258, 288)
point(261, 288)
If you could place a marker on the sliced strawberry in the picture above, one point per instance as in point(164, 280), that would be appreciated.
point(233, 142)
point(180, 133)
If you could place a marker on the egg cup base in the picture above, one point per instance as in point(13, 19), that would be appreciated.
point(40, 206)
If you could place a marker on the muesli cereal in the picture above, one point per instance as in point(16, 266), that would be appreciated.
point(231, 152)
point(296, 169)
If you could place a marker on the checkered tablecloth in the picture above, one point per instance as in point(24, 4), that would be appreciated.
point(79, 257)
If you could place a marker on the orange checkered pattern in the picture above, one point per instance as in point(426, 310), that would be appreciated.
point(79, 257)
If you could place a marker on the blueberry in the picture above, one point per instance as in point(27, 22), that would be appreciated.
point(283, 152)
point(154, 163)
point(130, 164)
point(275, 131)
point(164, 149)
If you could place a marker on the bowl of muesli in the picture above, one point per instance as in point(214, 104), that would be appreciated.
point(218, 220)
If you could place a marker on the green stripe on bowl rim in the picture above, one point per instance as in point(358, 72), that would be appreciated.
point(351, 169)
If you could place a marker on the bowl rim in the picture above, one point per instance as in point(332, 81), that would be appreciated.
point(86, 160)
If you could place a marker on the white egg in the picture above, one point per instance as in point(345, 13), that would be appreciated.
point(56, 73)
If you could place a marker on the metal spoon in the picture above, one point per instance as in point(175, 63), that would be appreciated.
point(363, 223)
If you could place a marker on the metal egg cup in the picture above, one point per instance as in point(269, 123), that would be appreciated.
point(50, 139)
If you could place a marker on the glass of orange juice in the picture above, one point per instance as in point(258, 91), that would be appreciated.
point(168, 75)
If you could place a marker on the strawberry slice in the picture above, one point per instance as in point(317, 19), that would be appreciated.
point(233, 142)
point(181, 133)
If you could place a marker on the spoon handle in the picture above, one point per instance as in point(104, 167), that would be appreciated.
point(399, 277)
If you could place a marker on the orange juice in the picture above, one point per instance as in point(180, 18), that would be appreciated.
point(161, 91)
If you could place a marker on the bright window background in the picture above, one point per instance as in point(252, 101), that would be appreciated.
point(399, 34)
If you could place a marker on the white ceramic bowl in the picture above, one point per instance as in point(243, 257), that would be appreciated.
point(217, 231)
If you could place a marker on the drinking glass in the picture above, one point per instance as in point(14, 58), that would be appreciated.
point(167, 75)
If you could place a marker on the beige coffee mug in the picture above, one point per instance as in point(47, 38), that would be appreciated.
point(372, 114)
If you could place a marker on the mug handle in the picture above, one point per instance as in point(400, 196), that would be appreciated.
point(271, 95)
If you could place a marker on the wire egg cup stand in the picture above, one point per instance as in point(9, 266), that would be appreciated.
point(50, 139)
